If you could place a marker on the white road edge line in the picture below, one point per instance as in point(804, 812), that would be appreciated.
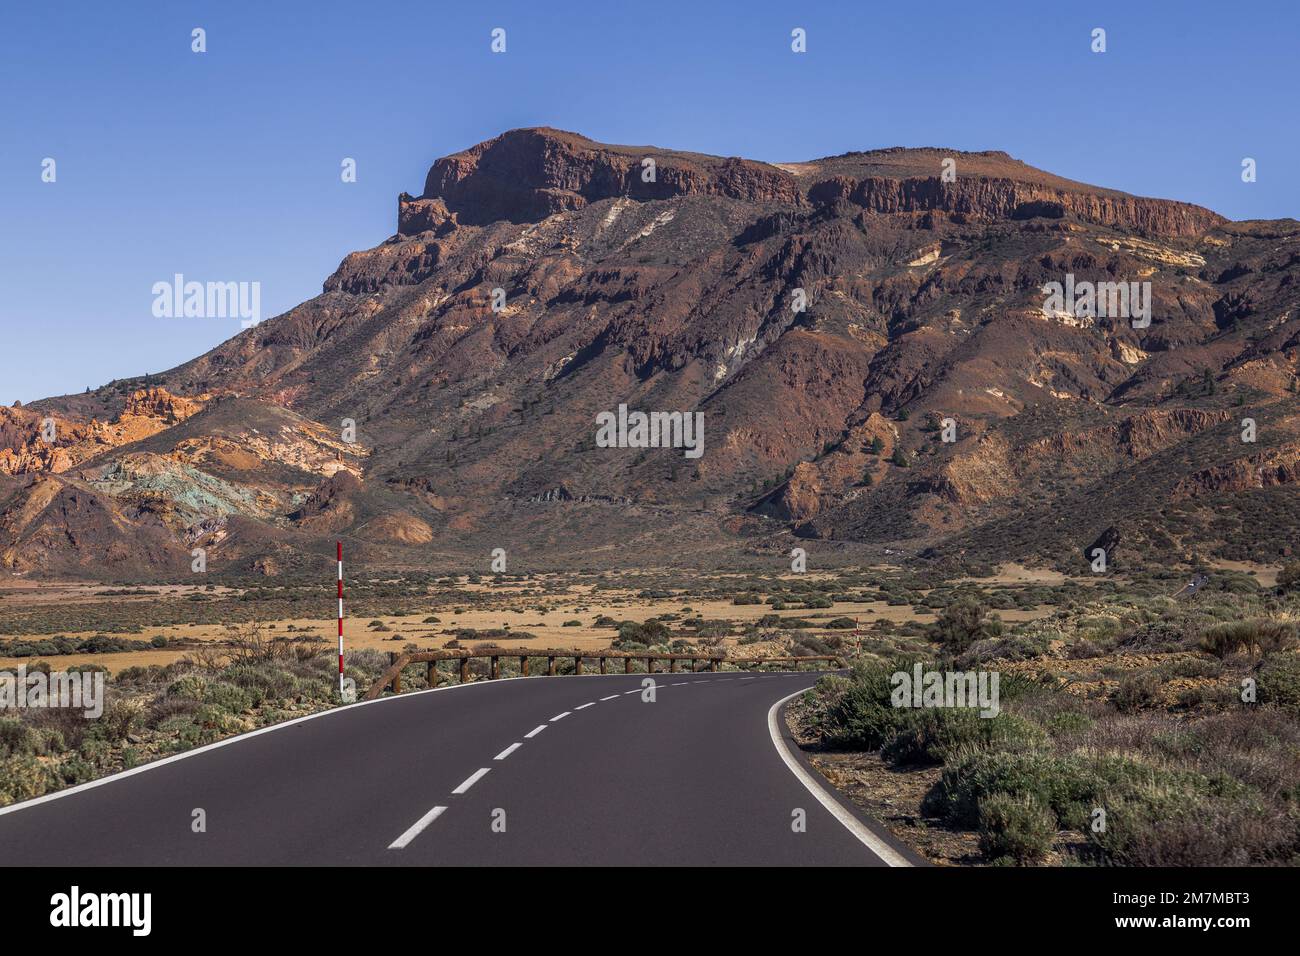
point(416, 828)
point(535, 731)
point(561, 716)
point(508, 751)
point(591, 703)
point(879, 847)
point(472, 779)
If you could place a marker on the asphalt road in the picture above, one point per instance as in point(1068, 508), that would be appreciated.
point(536, 771)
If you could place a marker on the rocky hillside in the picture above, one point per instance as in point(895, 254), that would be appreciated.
point(835, 322)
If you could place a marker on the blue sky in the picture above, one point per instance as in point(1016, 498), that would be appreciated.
point(225, 165)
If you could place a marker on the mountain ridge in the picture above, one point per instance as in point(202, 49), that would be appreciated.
point(924, 301)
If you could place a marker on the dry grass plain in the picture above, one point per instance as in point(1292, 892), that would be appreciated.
point(531, 620)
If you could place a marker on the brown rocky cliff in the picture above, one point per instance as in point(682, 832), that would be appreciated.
point(526, 175)
point(989, 199)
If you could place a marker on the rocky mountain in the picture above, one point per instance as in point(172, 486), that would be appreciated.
point(871, 340)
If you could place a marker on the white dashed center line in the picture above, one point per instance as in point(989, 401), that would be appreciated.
point(535, 731)
point(586, 705)
point(560, 716)
point(507, 752)
point(473, 778)
point(610, 697)
point(637, 691)
point(418, 826)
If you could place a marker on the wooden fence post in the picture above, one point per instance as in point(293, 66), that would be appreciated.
point(523, 666)
point(550, 667)
point(577, 665)
point(496, 667)
point(464, 669)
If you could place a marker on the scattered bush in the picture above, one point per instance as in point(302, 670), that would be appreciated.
point(1019, 828)
point(937, 735)
point(1257, 635)
point(1279, 683)
point(1136, 692)
point(961, 624)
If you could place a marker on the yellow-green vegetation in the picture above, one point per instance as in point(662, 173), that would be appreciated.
point(1133, 729)
point(150, 712)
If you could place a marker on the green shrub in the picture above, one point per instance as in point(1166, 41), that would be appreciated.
point(1068, 723)
point(228, 697)
point(1019, 828)
point(189, 687)
point(1064, 785)
point(630, 632)
point(938, 735)
point(961, 624)
point(262, 681)
point(1136, 692)
point(863, 717)
point(22, 777)
point(1160, 825)
point(1011, 647)
point(1279, 682)
point(17, 738)
point(1259, 635)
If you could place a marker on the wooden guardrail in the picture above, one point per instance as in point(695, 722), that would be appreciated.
point(393, 676)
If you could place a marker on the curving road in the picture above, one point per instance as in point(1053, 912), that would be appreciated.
point(537, 771)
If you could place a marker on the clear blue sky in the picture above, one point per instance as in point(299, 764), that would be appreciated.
point(225, 165)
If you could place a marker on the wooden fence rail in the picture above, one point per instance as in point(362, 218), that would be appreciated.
point(399, 662)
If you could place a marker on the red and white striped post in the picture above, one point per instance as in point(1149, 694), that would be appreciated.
point(340, 553)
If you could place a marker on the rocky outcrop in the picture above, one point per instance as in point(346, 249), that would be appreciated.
point(526, 175)
point(1268, 469)
point(25, 450)
point(994, 199)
